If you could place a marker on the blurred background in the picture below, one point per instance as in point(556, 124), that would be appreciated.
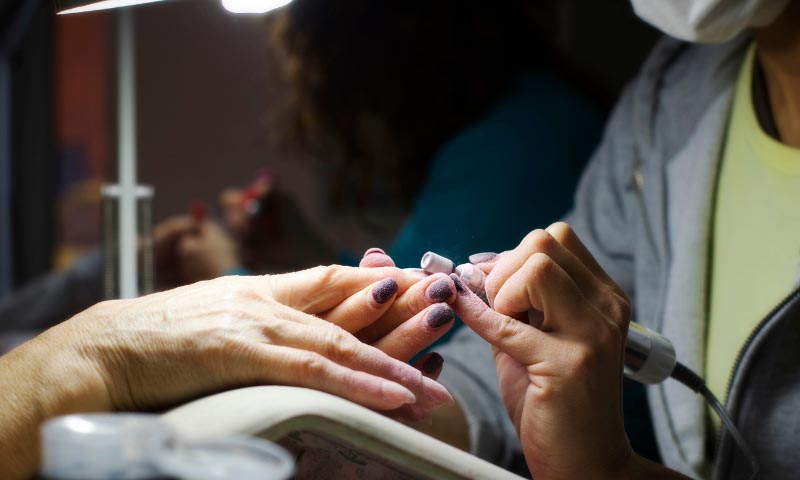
point(206, 86)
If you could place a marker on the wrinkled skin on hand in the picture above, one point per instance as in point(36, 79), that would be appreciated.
point(157, 350)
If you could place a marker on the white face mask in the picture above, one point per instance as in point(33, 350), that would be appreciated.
point(708, 20)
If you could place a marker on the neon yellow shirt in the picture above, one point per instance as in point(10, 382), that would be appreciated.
point(756, 236)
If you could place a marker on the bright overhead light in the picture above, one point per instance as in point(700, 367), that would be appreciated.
point(253, 6)
point(65, 7)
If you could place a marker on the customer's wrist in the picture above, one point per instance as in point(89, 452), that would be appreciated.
point(71, 376)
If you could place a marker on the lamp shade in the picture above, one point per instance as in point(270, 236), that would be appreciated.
point(64, 7)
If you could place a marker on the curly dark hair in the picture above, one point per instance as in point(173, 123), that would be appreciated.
point(384, 83)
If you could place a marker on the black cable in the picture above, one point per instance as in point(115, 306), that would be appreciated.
point(692, 380)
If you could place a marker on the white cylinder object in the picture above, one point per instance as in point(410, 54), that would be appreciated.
point(434, 263)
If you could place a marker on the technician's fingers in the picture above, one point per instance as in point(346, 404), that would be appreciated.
point(416, 334)
point(375, 257)
point(524, 343)
point(365, 307)
point(319, 289)
point(290, 366)
point(433, 289)
point(543, 288)
point(567, 237)
point(540, 241)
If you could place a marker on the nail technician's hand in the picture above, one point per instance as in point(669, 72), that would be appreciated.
point(561, 382)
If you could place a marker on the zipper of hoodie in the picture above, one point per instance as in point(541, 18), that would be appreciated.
point(636, 183)
point(736, 364)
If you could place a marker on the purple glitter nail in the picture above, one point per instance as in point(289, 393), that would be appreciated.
point(439, 290)
point(432, 363)
point(460, 287)
point(439, 315)
point(384, 290)
point(482, 257)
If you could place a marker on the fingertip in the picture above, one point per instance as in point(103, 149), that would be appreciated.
point(436, 391)
point(442, 289)
point(460, 287)
point(439, 315)
point(397, 394)
point(376, 257)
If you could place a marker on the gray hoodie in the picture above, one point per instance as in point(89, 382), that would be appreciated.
point(644, 208)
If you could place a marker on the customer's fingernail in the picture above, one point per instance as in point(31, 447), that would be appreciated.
point(384, 290)
point(432, 262)
point(482, 257)
point(440, 314)
point(432, 363)
point(439, 290)
point(374, 250)
point(460, 287)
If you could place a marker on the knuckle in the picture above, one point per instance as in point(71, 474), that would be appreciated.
point(625, 310)
point(617, 308)
point(312, 365)
point(541, 267)
point(507, 328)
point(329, 274)
point(583, 360)
point(540, 241)
point(561, 230)
point(341, 346)
point(608, 336)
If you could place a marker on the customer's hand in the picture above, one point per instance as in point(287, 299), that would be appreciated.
point(162, 349)
point(560, 375)
point(172, 346)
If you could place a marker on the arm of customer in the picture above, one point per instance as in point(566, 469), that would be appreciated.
point(155, 351)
